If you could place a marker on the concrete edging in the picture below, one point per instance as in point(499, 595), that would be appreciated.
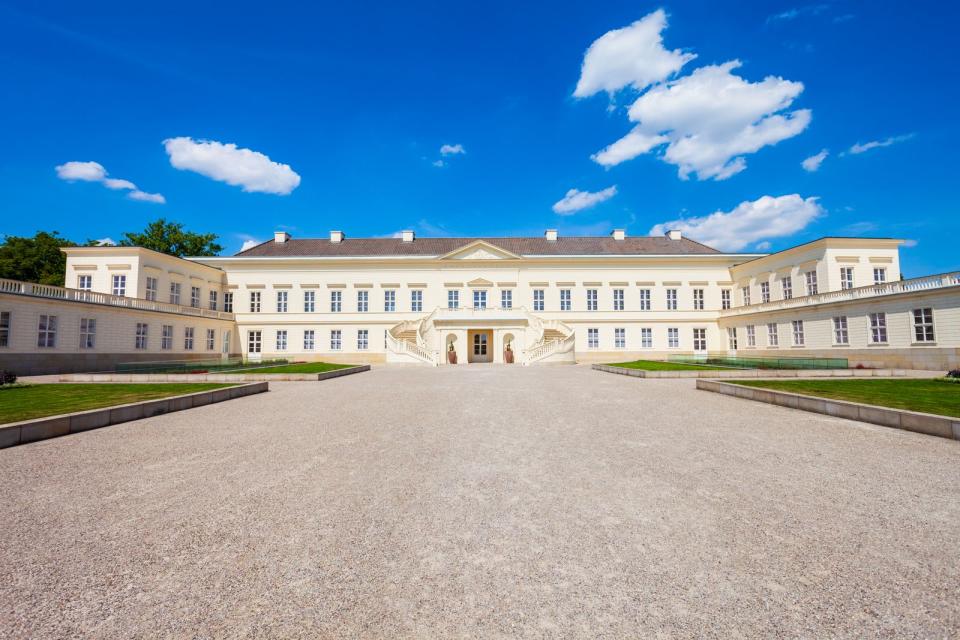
point(212, 377)
point(52, 426)
point(927, 423)
point(769, 373)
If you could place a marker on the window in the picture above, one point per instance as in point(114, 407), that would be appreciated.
point(362, 339)
point(389, 300)
point(254, 302)
point(88, 333)
point(878, 328)
point(336, 301)
point(188, 338)
point(591, 299)
point(811, 277)
point(479, 298)
point(4, 328)
point(282, 340)
point(538, 299)
point(618, 300)
point(479, 344)
point(671, 299)
point(141, 337)
point(119, 285)
point(211, 339)
point(699, 339)
point(923, 324)
point(786, 286)
point(751, 335)
point(309, 301)
point(213, 301)
point(85, 283)
point(698, 299)
point(47, 331)
point(228, 302)
point(646, 338)
point(620, 338)
point(335, 340)
point(745, 294)
point(879, 275)
point(254, 341)
point(416, 300)
point(175, 293)
point(732, 338)
point(226, 341)
point(593, 338)
point(195, 297)
point(644, 299)
point(840, 335)
point(798, 333)
point(166, 336)
point(308, 339)
point(725, 298)
point(152, 289)
point(673, 337)
point(506, 299)
point(764, 292)
point(282, 301)
point(846, 277)
point(363, 301)
point(565, 299)
point(453, 299)
point(773, 339)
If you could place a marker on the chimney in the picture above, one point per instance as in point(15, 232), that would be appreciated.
point(407, 235)
point(551, 235)
point(280, 236)
point(675, 234)
point(619, 234)
point(336, 237)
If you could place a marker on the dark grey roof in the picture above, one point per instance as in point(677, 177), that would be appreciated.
point(389, 247)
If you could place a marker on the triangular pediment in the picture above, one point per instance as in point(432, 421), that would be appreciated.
point(480, 282)
point(480, 250)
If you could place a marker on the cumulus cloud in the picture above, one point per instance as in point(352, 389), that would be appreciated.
point(94, 172)
point(251, 170)
point(628, 147)
point(749, 222)
point(136, 194)
point(813, 163)
point(439, 163)
point(877, 144)
point(452, 149)
point(248, 244)
point(117, 184)
point(576, 200)
point(632, 56)
point(106, 242)
point(909, 244)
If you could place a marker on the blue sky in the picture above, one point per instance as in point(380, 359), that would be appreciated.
point(357, 100)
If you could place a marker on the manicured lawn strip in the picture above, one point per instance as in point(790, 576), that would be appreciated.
point(657, 365)
point(24, 402)
point(925, 396)
point(303, 367)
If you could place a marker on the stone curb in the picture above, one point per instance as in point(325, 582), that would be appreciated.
point(53, 426)
point(211, 377)
point(770, 373)
point(927, 423)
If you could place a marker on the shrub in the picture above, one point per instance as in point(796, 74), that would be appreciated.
point(954, 373)
point(7, 377)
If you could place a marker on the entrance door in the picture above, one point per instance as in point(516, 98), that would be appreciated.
point(481, 345)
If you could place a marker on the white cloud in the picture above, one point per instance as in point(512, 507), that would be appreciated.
point(632, 56)
point(245, 168)
point(117, 184)
point(576, 200)
point(749, 222)
point(763, 246)
point(249, 244)
point(86, 171)
point(876, 144)
point(628, 147)
point(136, 194)
point(452, 149)
point(813, 163)
point(439, 163)
point(909, 244)
point(106, 242)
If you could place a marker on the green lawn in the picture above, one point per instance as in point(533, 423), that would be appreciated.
point(303, 367)
point(926, 396)
point(23, 402)
point(657, 365)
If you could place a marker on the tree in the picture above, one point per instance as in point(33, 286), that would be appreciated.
point(170, 238)
point(37, 259)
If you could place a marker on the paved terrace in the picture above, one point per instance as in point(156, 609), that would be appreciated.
point(482, 501)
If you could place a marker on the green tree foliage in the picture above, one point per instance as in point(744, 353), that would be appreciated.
point(170, 238)
point(37, 259)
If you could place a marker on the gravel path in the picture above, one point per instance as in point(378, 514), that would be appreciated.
point(482, 502)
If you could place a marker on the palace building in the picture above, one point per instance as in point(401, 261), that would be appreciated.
point(533, 300)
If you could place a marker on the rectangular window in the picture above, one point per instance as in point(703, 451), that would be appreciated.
point(212, 303)
point(254, 341)
point(85, 283)
point(166, 336)
point(698, 299)
point(88, 333)
point(389, 300)
point(646, 338)
point(811, 278)
point(618, 303)
point(228, 302)
point(47, 331)
point(282, 340)
point(416, 300)
point(119, 285)
point(773, 338)
point(336, 342)
point(644, 299)
point(593, 338)
point(336, 301)
point(565, 300)
point(195, 297)
point(840, 335)
point(538, 298)
point(751, 335)
point(591, 299)
point(506, 299)
point(152, 289)
point(846, 277)
point(878, 328)
point(254, 302)
point(363, 301)
point(725, 298)
point(798, 333)
point(174, 293)
point(619, 338)
point(699, 339)
point(282, 301)
point(309, 301)
point(188, 338)
point(879, 275)
point(453, 299)
point(479, 299)
point(363, 341)
point(4, 328)
point(141, 338)
point(732, 338)
point(308, 339)
point(786, 286)
point(923, 324)
point(764, 292)
point(673, 337)
point(211, 339)
point(745, 294)
point(671, 299)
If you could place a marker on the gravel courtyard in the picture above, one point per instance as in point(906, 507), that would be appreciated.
point(482, 501)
